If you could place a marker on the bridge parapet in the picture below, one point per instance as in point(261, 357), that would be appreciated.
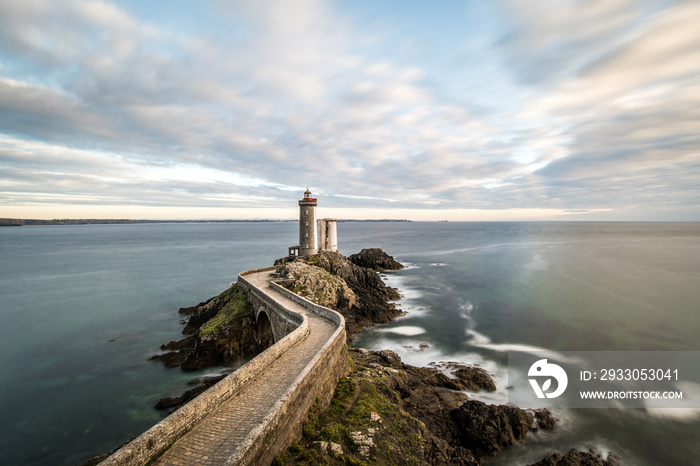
point(282, 320)
point(282, 424)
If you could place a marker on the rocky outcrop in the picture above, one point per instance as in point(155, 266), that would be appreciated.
point(463, 376)
point(376, 259)
point(580, 458)
point(222, 333)
point(317, 285)
point(392, 413)
point(170, 404)
point(372, 301)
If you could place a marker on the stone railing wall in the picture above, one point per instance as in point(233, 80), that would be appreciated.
point(283, 320)
point(317, 381)
point(283, 425)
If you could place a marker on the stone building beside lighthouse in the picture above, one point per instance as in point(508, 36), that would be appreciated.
point(328, 234)
point(311, 241)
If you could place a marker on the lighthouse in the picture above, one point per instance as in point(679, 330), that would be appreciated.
point(307, 225)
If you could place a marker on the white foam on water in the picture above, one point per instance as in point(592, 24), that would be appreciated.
point(407, 265)
point(408, 295)
point(676, 414)
point(691, 393)
point(537, 263)
point(407, 330)
point(482, 341)
point(465, 311)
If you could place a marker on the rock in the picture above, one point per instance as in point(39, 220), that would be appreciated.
point(336, 448)
point(364, 441)
point(329, 447)
point(472, 378)
point(466, 376)
point(222, 333)
point(580, 458)
point(545, 419)
point(170, 404)
point(487, 429)
point(317, 285)
point(389, 357)
point(376, 259)
point(421, 421)
point(457, 429)
point(476, 378)
point(371, 303)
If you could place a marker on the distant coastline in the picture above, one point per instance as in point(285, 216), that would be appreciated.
point(17, 222)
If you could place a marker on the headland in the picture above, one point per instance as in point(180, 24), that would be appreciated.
point(302, 396)
point(382, 411)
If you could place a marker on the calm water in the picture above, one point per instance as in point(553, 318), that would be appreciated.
point(83, 307)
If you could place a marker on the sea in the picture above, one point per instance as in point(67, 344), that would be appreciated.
point(83, 307)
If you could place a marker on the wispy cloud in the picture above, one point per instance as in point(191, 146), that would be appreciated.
point(563, 106)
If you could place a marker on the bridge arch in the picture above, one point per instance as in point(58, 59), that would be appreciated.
point(263, 329)
point(322, 357)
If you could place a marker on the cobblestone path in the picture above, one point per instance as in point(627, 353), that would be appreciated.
point(216, 437)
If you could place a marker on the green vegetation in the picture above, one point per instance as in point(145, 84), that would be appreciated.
point(236, 307)
point(363, 403)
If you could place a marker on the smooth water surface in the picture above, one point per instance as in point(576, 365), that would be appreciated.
point(83, 307)
point(473, 292)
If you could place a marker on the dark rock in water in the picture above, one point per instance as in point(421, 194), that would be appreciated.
point(222, 333)
point(376, 259)
point(423, 420)
point(580, 458)
point(545, 418)
point(487, 429)
point(460, 430)
point(468, 376)
point(170, 404)
point(476, 378)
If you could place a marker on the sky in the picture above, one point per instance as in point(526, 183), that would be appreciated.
point(452, 110)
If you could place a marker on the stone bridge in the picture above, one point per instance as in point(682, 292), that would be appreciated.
point(258, 410)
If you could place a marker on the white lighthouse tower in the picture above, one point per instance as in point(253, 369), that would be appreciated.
point(307, 225)
point(309, 242)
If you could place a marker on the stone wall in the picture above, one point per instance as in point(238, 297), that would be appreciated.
point(283, 426)
point(318, 380)
point(282, 320)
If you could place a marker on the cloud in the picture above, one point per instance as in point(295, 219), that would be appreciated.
point(104, 103)
point(625, 94)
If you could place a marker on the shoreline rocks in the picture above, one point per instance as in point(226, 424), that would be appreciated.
point(389, 412)
point(222, 332)
point(369, 301)
point(375, 259)
point(576, 457)
point(385, 411)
